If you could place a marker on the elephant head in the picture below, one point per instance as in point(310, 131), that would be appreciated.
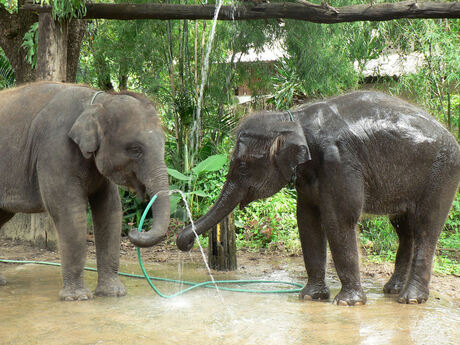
point(123, 135)
point(268, 149)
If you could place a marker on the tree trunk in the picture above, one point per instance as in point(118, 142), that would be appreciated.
point(52, 49)
point(76, 32)
point(36, 229)
point(222, 245)
point(13, 27)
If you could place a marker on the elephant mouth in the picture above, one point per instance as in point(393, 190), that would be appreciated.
point(247, 199)
point(134, 185)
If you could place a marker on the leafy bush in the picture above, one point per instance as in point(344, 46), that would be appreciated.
point(269, 223)
point(378, 237)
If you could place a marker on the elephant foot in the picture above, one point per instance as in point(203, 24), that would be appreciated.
point(111, 288)
point(413, 294)
point(2, 280)
point(350, 297)
point(393, 286)
point(315, 292)
point(75, 294)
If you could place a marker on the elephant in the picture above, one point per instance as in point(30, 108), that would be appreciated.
point(362, 152)
point(64, 146)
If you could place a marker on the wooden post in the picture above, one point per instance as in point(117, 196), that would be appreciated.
point(222, 245)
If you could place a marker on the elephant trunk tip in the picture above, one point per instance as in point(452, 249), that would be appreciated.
point(185, 240)
point(144, 239)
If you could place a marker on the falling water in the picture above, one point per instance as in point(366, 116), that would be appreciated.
point(192, 224)
point(204, 73)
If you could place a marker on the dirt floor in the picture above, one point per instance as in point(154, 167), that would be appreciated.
point(252, 262)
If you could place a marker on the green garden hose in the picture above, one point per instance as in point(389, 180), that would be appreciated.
point(192, 285)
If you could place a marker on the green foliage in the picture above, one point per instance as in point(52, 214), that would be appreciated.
point(7, 78)
point(287, 85)
point(195, 184)
point(269, 223)
point(132, 210)
point(30, 44)
point(453, 221)
point(321, 57)
point(378, 236)
point(10, 5)
point(435, 86)
point(444, 265)
point(66, 9)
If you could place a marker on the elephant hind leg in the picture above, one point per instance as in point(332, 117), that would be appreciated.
point(428, 222)
point(4, 217)
point(402, 225)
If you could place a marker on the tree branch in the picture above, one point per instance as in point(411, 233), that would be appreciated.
point(288, 10)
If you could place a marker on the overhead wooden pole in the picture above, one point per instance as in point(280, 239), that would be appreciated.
point(300, 10)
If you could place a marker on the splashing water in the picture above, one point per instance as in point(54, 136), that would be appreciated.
point(189, 213)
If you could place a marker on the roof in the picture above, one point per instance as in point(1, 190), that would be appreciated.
point(392, 65)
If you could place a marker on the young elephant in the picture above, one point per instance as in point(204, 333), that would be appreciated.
point(64, 145)
point(361, 152)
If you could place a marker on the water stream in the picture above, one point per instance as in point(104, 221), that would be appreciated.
point(203, 255)
point(204, 74)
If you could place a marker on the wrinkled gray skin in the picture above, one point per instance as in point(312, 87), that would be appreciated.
point(364, 152)
point(58, 153)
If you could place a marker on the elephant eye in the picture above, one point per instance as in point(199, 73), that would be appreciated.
point(135, 151)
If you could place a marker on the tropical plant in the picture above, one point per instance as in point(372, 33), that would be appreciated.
point(7, 78)
point(30, 44)
point(192, 184)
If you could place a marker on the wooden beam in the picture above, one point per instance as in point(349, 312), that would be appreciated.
point(300, 10)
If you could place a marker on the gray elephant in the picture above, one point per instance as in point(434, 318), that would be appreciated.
point(63, 146)
point(364, 152)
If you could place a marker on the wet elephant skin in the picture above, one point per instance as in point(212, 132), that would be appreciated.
point(64, 146)
point(363, 152)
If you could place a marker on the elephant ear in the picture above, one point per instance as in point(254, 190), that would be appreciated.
point(86, 131)
point(288, 150)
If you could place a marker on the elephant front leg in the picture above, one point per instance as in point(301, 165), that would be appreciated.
point(344, 249)
point(341, 205)
point(314, 248)
point(107, 219)
point(70, 221)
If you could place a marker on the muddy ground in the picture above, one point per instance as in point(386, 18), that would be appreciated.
point(258, 263)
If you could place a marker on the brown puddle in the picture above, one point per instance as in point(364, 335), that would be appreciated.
point(30, 313)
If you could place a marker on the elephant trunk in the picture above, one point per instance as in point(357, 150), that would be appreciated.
point(227, 201)
point(160, 213)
